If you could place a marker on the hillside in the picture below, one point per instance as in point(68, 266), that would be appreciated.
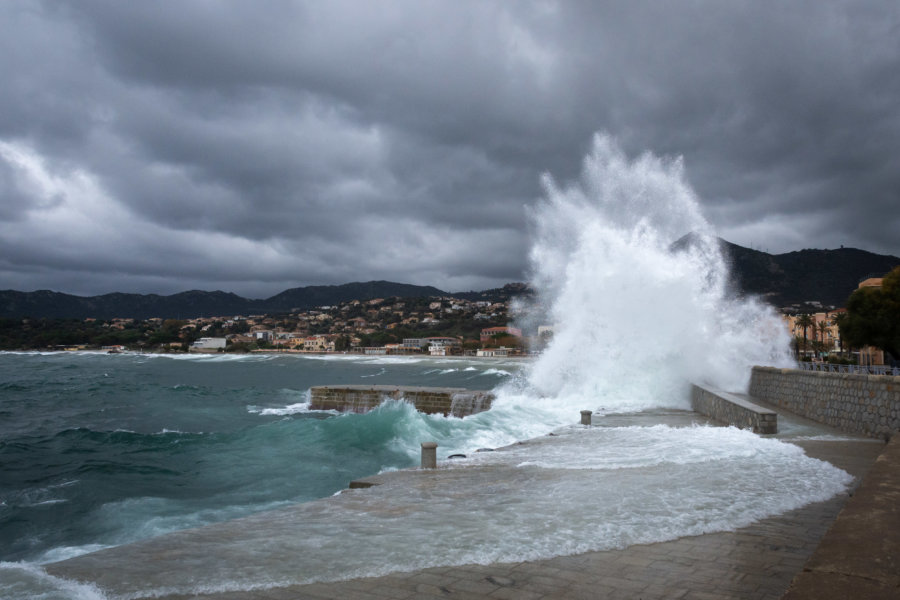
point(188, 305)
point(826, 276)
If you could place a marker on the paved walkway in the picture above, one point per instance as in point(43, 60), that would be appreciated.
point(756, 562)
point(859, 557)
point(753, 563)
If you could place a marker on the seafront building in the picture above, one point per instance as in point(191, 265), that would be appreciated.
point(209, 344)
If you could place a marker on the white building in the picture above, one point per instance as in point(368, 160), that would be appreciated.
point(208, 344)
point(493, 352)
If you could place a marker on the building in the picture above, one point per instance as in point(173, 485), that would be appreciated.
point(208, 344)
point(444, 346)
point(318, 343)
point(488, 333)
point(493, 352)
point(443, 341)
point(415, 343)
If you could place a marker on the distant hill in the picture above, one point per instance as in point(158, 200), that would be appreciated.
point(507, 292)
point(825, 276)
point(187, 305)
point(327, 295)
point(45, 303)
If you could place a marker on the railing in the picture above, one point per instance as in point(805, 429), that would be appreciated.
point(857, 369)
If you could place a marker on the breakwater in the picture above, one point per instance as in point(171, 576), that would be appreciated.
point(457, 402)
point(865, 404)
point(732, 409)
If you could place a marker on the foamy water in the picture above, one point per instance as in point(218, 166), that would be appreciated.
point(633, 320)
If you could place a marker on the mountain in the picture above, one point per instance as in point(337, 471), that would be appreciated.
point(187, 305)
point(327, 295)
point(825, 276)
point(190, 304)
point(507, 292)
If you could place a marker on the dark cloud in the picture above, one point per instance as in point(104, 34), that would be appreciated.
point(258, 146)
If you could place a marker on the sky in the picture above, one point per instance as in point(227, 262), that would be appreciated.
point(256, 146)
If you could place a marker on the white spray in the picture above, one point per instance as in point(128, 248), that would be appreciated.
point(634, 320)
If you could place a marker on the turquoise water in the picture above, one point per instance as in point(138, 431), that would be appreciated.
point(98, 450)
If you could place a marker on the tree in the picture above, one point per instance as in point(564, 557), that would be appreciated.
point(873, 316)
point(822, 326)
point(342, 343)
point(805, 321)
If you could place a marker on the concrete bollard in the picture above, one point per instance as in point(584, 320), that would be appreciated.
point(586, 417)
point(429, 455)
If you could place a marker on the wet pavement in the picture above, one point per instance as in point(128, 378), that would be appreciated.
point(754, 562)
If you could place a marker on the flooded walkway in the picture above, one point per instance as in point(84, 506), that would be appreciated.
point(755, 561)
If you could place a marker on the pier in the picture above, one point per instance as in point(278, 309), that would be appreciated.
point(457, 402)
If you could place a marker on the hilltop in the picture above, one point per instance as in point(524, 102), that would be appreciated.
point(196, 303)
point(805, 276)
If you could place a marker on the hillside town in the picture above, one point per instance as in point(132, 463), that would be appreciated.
point(436, 326)
point(816, 336)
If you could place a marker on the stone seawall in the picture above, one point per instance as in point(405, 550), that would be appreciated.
point(865, 404)
point(731, 409)
point(458, 402)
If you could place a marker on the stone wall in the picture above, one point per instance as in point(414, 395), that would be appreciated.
point(732, 410)
point(458, 402)
point(865, 404)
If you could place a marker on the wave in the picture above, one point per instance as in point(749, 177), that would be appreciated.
point(381, 372)
point(441, 371)
point(498, 372)
point(634, 320)
point(291, 409)
point(28, 580)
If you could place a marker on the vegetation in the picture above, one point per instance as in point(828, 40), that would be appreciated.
point(873, 316)
point(23, 334)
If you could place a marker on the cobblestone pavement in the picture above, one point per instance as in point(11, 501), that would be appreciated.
point(755, 562)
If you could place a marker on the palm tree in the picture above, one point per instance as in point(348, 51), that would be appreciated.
point(823, 329)
point(805, 321)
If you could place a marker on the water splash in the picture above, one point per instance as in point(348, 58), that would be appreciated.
point(636, 318)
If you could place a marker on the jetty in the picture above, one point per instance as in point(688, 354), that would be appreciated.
point(448, 401)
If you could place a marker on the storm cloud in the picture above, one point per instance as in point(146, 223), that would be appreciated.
point(257, 146)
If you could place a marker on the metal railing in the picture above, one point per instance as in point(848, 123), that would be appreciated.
point(856, 369)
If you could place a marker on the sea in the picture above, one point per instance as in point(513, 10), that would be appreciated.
point(100, 450)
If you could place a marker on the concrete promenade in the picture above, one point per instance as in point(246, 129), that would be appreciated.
point(755, 562)
point(859, 557)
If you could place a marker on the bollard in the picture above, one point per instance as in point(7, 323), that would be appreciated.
point(586, 417)
point(429, 455)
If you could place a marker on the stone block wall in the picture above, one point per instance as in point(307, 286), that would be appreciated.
point(458, 402)
point(864, 404)
point(729, 409)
